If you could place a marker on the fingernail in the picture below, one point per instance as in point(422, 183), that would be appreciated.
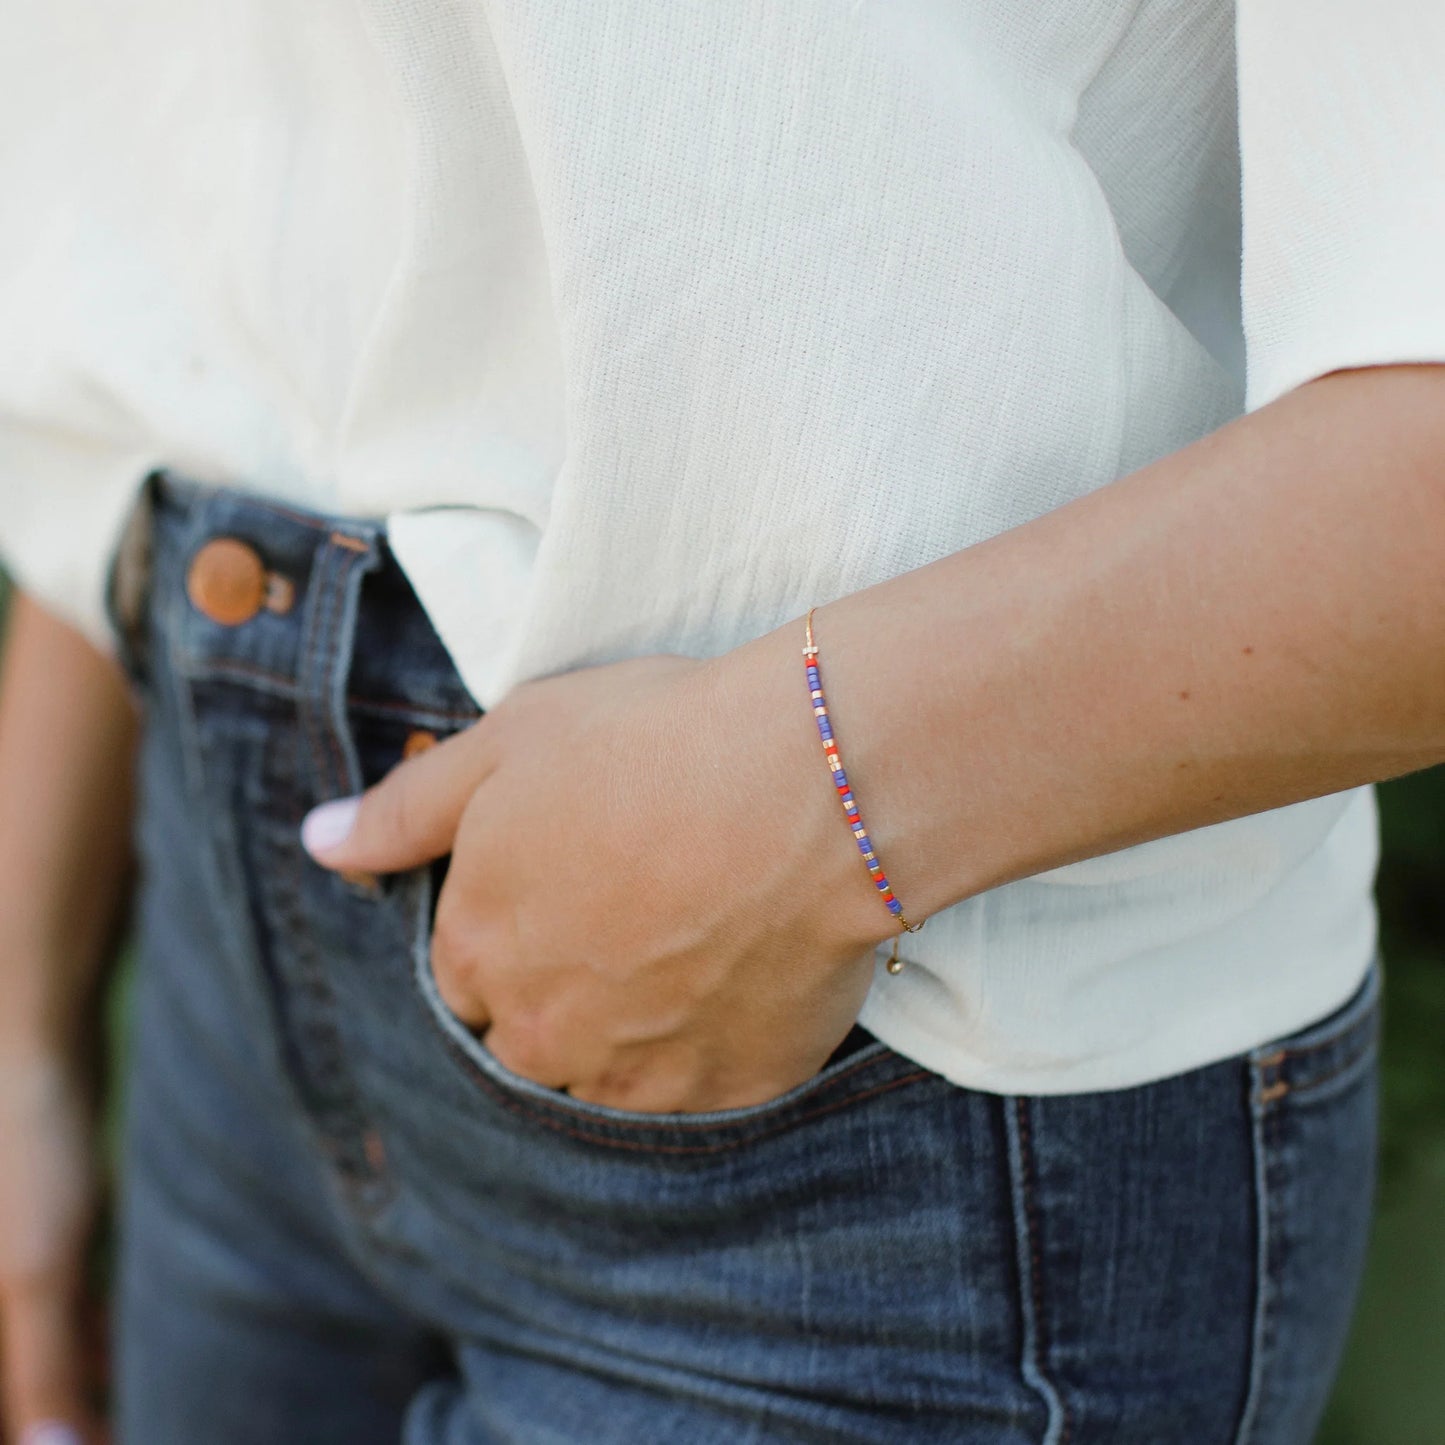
point(51, 1432)
point(329, 825)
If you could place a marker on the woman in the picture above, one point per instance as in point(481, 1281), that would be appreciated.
point(457, 420)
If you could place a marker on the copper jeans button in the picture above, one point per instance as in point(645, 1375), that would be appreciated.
point(227, 581)
point(417, 742)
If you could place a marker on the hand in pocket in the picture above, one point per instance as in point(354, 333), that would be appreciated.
point(653, 901)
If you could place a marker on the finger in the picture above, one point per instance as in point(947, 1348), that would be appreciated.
point(522, 1051)
point(44, 1360)
point(408, 818)
point(455, 983)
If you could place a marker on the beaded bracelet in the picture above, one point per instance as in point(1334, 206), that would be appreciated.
point(850, 808)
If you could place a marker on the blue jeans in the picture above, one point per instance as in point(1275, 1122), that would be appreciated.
point(344, 1222)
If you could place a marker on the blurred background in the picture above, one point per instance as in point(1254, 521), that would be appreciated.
point(1391, 1390)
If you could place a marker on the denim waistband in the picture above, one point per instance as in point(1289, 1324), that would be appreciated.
point(340, 618)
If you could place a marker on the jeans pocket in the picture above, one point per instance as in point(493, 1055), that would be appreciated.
point(864, 1069)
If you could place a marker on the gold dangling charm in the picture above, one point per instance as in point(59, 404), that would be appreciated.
point(894, 964)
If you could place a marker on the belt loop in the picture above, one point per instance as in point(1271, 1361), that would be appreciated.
point(128, 581)
point(343, 558)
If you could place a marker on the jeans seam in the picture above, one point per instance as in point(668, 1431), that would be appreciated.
point(1259, 1098)
point(334, 1128)
point(1358, 1042)
point(338, 1117)
point(324, 747)
point(352, 573)
point(516, 1106)
point(283, 686)
point(818, 1097)
point(625, 1126)
point(1309, 1087)
point(1029, 1259)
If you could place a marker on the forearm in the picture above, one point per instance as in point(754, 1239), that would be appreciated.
point(67, 736)
point(1256, 619)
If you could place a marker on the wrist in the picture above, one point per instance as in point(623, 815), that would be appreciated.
point(878, 712)
point(762, 686)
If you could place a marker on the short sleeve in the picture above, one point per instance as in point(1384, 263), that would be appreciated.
point(71, 453)
point(1342, 146)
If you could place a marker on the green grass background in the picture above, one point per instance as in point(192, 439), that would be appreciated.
point(1391, 1390)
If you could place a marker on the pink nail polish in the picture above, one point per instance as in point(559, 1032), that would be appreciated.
point(51, 1432)
point(329, 825)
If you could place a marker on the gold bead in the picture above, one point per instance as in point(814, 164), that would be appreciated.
point(894, 964)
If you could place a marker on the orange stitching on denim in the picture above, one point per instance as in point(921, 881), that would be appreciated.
point(412, 709)
point(536, 1115)
point(1333, 1039)
point(1277, 1089)
point(1305, 1087)
point(684, 1124)
point(204, 668)
point(1341, 1032)
point(344, 539)
point(316, 523)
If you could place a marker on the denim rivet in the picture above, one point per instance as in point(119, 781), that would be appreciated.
point(280, 593)
point(226, 581)
point(417, 742)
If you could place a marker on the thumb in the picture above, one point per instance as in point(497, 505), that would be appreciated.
point(408, 818)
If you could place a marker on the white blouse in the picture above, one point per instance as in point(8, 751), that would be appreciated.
point(649, 325)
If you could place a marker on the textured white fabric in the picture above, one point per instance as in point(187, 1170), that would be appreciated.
point(651, 325)
point(1342, 118)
